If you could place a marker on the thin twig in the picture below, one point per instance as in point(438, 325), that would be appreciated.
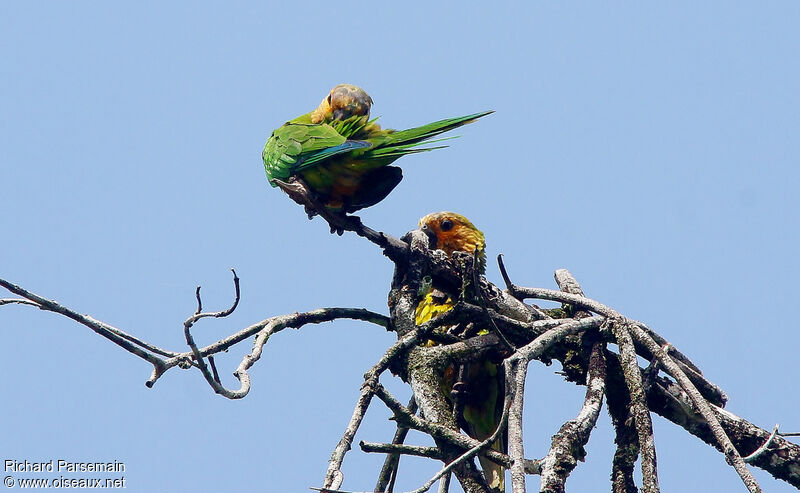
point(403, 415)
point(9, 301)
point(142, 349)
point(334, 476)
point(538, 346)
point(269, 326)
point(471, 452)
point(220, 314)
point(506, 279)
point(199, 301)
point(763, 448)
point(531, 466)
point(399, 449)
point(710, 391)
point(212, 377)
point(482, 300)
point(214, 369)
point(388, 473)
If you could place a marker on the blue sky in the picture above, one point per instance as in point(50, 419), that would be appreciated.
point(650, 149)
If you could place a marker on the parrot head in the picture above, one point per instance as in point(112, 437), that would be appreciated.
point(344, 101)
point(452, 232)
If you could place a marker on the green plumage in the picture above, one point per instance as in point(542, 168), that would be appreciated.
point(346, 161)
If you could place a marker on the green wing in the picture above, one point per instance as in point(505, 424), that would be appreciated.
point(298, 146)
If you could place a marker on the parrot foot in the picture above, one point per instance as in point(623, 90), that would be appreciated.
point(339, 221)
point(298, 191)
point(310, 212)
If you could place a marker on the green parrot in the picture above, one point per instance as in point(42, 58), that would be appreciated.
point(485, 380)
point(342, 155)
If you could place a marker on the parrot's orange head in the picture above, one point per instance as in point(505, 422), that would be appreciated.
point(452, 232)
point(344, 101)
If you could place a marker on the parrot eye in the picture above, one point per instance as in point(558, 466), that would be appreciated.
point(329, 98)
point(447, 225)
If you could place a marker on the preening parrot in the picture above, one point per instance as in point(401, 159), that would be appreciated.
point(485, 380)
point(342, 155)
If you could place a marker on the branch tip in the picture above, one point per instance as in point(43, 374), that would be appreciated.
point(199, 301)
point(509, 285)
point(763, 448)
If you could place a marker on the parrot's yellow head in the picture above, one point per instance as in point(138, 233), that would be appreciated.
point(452, 232)
point(344, 101)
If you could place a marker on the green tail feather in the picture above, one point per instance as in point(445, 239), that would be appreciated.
point(407, 149)
point(404, 140)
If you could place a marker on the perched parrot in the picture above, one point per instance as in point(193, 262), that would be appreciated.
point(483, 401)
point(342, 155)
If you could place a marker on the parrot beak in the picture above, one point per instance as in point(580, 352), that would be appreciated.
point(432, 240)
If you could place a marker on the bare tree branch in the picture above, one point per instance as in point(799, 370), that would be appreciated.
point(212, 378)
point(9, 301)
point(626, 438)
point(388, 473)
point(146, 351)
point(334, 476)
point(162, 359)
point(731, 454)
point(639, 409)
point(516, 369)
point(525, 331)
point(462, 442)
point(619, 403)
point(471, 452)
point(568, 443)
point(398, 449)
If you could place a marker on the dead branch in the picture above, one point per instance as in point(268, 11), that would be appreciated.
point(388, 473)
point(568, 443)
point(639, 410)
point(519, 334)
point(162, 359)
point(334, 476)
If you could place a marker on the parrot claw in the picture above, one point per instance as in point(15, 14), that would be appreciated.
point(343, 223)
point(300, 193)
